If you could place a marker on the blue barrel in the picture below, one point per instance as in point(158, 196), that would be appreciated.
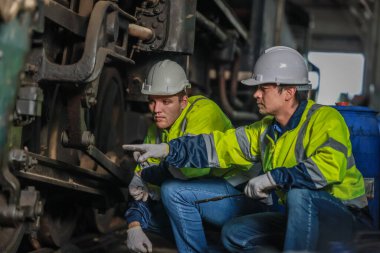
point(365, 140)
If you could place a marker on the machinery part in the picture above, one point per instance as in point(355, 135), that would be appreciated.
point(232, 18)
point(28, 105)
point(105, 15)
point(14, 44)
point(58, 222)
point(172, 22)
point(235, 115)
point(10, 236)
point(143, 33)
point(10, 8)
point(109, 127)
point(212, 27)
point(123, 177)
point(109, 221)
point(108, 115)
point(51, 172)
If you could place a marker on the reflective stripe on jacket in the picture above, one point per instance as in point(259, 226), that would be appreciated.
point(315, 154)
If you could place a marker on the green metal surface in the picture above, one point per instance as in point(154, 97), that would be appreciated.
point(14, 45)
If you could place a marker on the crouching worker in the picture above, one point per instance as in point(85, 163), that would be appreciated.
point(175, 115)
point(306, 155)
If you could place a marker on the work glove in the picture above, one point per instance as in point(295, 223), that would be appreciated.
point(138, 189)
point(137, 241)
point(159, 151)
point(259, 187)
point(136, 156)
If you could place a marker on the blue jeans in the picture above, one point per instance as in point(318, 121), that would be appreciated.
point(312, 220)
point(179, 198)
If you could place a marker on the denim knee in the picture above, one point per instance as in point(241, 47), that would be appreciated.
point(169, 190)
point(298, 197)
point(228, 237)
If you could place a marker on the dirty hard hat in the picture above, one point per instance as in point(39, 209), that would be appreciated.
point(280, 65)
point(165, 78)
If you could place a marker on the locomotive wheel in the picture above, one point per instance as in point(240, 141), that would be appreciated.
point(109, 221)
point(58, 223)
point(10, 237)
point(109, 128)
point(109, 115)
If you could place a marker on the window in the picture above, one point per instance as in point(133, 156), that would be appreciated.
point(339, 73)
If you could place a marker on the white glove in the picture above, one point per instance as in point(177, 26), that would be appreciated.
point(138, 189)
point(137, 241)
point(136, 156)
point(259, 187)
point(149, 151)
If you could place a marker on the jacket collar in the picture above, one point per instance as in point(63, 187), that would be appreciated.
point(276, 129)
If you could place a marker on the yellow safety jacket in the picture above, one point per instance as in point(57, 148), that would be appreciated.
point(200, 116)
point(315, 153)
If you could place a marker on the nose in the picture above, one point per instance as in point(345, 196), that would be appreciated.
point(257, 94)
point(157, 107)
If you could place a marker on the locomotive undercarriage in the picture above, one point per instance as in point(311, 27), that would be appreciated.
point(65, 175)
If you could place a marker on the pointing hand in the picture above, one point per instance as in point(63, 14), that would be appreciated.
point(149, 151)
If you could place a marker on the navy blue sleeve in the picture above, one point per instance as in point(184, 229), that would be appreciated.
point(188, 152)
point(156, 174)
point(294, 177)
point(138, 211)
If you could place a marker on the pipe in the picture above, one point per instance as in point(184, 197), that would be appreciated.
point(234, 115)
point(141, 32)
point(211, 27)
point(234, 82)
point(231, 16)
point(279, 20)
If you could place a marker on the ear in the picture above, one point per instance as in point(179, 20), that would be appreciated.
point(290, 93)
point(184, 102)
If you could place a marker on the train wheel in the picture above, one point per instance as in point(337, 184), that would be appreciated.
point(109, 125)
point(109, 221)
point(10, 237)
point(109, 114)
point(58, 223)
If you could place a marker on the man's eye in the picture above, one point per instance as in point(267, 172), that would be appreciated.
point(166, 102)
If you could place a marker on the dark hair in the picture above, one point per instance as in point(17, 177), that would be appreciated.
point(181, 94)
point(299, 95)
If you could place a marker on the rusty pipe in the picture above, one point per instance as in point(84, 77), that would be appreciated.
point(234, 115)
point(234, 82)
point(211, 27)
point(141, 32)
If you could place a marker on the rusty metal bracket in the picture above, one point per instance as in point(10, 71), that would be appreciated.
point(96, 48)
point(123, 176)
point(87, 145)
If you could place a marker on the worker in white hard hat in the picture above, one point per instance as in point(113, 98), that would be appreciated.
point(175, 115)
point(306, 155)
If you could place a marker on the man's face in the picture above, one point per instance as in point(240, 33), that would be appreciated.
point(166, 109)
point(270, 100)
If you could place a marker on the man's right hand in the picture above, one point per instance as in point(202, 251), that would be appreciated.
point(138, 189)
point(149, 150)
point(137, 241)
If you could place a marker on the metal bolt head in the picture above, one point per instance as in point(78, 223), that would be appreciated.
point(161, 18)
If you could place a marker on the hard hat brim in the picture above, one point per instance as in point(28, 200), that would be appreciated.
point(251, 82)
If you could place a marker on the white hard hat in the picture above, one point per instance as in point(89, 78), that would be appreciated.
point(280, 65)
point(165, 78)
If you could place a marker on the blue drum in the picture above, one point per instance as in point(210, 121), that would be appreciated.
point(365, 139)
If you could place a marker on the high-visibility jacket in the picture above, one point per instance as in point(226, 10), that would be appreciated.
point(200, 116)
point(314, 153)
